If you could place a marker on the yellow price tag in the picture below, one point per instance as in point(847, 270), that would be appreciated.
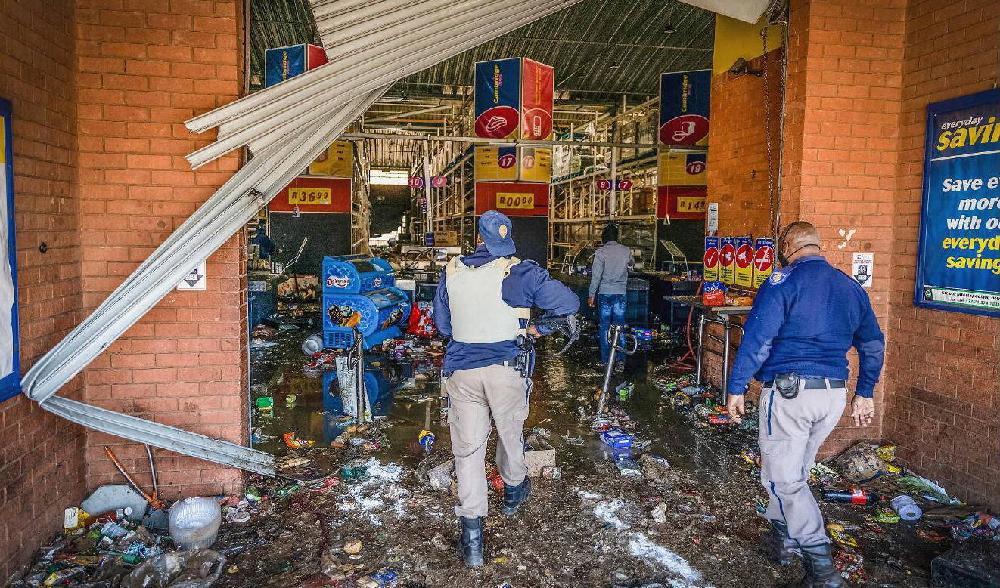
point(690, 204)
point(310, 196)
point(515, 200)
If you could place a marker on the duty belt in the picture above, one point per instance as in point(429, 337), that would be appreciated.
point(816, 383)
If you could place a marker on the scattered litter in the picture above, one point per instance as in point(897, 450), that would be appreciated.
point(292, 441)
point(187, 569)
point(907, 508)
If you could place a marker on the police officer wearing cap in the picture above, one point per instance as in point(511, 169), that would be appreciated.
point(804, 320)
point(483, 304)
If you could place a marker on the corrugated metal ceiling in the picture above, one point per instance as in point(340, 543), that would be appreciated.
point(600, 49)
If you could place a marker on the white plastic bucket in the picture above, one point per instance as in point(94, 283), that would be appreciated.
point(194, 522)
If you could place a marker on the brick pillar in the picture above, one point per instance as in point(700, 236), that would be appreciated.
point(144, 68)
point(841, 141)
point(41, 455)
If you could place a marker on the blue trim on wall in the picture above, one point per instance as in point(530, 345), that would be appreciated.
point(11, 385)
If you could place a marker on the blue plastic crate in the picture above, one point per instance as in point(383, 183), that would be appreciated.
point(338, 339)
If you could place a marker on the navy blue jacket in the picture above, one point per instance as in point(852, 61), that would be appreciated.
point(527, 285)
point(804, 320)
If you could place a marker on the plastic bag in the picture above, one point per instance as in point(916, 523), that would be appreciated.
point(178, 569)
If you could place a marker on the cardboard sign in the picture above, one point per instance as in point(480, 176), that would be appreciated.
point(684, 106)
point(744, 262)
point(337, 161)
point(681, 169)
point(763, 261)
point(445, 238)
point(711, 259)
point(727, 261)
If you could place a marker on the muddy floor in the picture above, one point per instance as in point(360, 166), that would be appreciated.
point(683, 512)
point(368, 505)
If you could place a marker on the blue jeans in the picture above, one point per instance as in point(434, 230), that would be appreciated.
point(610, 310)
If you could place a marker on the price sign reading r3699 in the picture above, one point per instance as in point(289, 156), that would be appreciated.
point(310, 195)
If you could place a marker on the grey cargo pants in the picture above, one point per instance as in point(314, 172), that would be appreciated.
point(474, 396)
point(791, 432)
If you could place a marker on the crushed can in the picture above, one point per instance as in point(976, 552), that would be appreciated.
point(426, 440)
point(617, 439)
point(386, 578)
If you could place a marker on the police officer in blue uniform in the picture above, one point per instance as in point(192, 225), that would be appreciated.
point(483, 304)
point(804, 320)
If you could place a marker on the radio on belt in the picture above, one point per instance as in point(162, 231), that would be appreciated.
point(361, 293)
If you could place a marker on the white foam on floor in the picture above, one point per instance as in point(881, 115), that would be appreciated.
point(370, 495)
point(607, 512)
point(642, 547)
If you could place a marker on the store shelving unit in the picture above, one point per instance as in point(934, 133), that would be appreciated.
point(579, 211)
point(360, 204)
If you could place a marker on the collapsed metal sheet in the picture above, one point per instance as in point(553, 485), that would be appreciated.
point(281, 151)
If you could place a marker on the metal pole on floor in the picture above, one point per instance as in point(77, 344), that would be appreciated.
point(701, 334)
point(613, 339)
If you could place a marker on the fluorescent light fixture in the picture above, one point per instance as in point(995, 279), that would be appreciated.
point(389, 177)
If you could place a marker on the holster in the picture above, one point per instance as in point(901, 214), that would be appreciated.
point(787, 385)
point(524, 363)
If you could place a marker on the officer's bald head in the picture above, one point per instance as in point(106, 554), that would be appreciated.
point(798, 239)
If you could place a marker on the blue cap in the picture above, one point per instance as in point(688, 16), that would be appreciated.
point(498, 234)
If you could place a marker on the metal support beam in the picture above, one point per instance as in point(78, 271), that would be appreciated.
point(523, 142)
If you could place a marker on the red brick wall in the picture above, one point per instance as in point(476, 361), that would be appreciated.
point(41, 456)
point(144, 68)
point(737, 158)
point(943, 404)
point(845, 75)
point(840, 144)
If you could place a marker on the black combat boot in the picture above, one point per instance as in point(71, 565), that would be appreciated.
point(471, 542)
point(820, 571)
point(782, 552)
point(513, 496)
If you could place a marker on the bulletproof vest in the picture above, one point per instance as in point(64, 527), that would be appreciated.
point(475, 298)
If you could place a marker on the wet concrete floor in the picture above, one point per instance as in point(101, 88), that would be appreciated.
point(690, 524)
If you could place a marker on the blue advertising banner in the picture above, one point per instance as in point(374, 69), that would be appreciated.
point(10, 354)
point(498, 98)
point(958, 265)
point(684, 102)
